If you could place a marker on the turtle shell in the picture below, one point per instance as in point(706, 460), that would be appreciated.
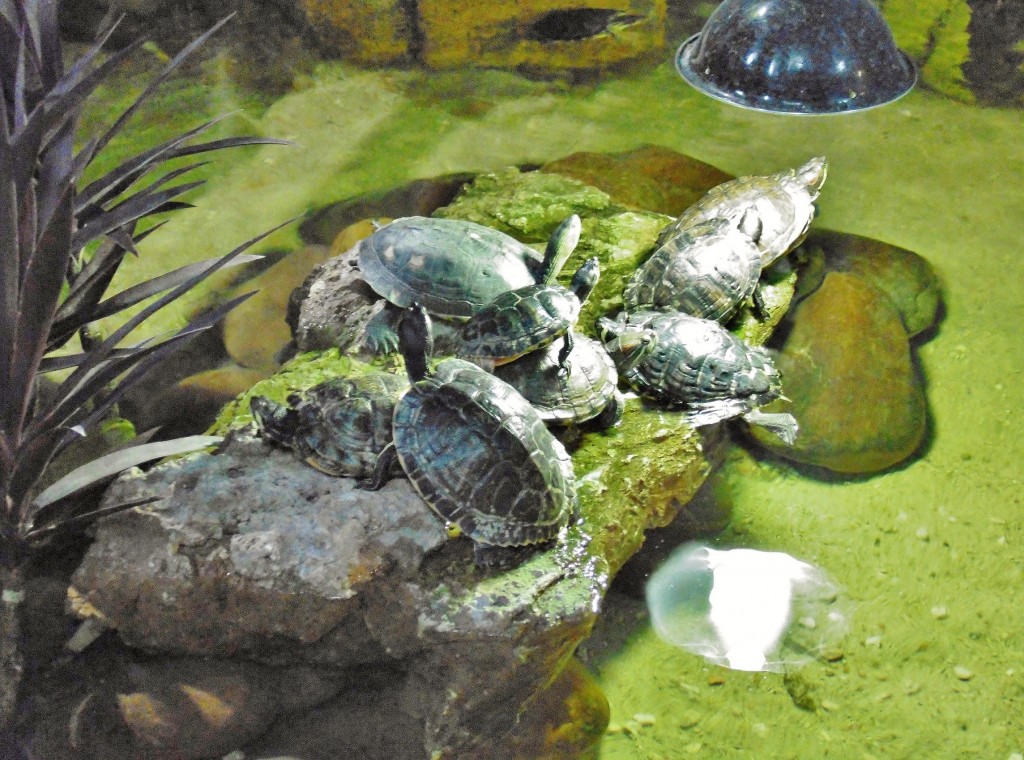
point(339, 426)
point(519, 321)
point(481, 457)
point(706, 270)
point(450, 266)
point(566, 398)
point(784, 202)
point(699, 363)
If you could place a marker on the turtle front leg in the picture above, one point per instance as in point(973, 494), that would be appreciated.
point(563, 355)
point(382, 470)
point(381, 334)
point(760, 307)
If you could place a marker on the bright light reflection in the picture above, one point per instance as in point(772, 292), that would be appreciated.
point(745, 609)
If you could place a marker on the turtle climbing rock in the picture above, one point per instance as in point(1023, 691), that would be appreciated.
point(451, 267)
point(527, 319)
point(706, 270)
point(476, 451)
point(339, 426)
point(784, 203)
point(697, 365)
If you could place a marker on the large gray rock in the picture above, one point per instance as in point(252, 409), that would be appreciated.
point(251, 552)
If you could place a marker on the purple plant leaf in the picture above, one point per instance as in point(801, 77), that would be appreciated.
point(130, 210)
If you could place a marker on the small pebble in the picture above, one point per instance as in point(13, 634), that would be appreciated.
point(829, 706)
point(689, 718)
point(963, 673)
point(644, 719)
point(832, 654)
point(873, 641)
point(940, 612)
point(809, 623)
point(922, 533)
point(715, 679)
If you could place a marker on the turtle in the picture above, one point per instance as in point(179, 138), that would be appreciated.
point(696, 364)
point(476, 451)
point(784, 202)
point(339, 426)
point(452, 267)
point(588, 392)
point(527, 319)
point(706, 270)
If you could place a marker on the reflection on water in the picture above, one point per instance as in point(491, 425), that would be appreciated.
point(745, 609)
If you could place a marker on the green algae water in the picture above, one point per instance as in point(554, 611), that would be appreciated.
point(931, 553)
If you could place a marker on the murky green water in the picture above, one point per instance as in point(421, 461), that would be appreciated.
point(929, 174)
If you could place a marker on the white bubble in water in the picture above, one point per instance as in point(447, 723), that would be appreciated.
point(745, 609)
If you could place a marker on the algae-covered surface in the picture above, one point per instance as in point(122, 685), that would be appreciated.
point(931, 553)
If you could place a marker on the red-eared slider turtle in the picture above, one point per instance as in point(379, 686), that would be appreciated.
point(339, 426)
point(697, 364)
point(453, 268)
point(527, 319)
point(784, 203)
point(706, 270)
point(588, 391)
point(476, 451)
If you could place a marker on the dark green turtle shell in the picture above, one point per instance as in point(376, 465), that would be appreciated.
point(339, 426)
point(706, 270)
point(481, 457)
point(566, 398)
point(696, 362)
point(453, 268)
point(519, 321)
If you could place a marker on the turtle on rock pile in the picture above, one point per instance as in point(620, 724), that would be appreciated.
point(472, 433)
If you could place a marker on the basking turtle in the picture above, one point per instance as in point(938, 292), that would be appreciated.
point(339, 426)
point(453, 268)
point(707, 269)
point(587, 392)
point(527, 319)
point(697, 364)
point(476, 451)
point(784, 203)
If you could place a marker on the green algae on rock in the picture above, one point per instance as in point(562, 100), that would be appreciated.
point(526, 205)
point(298, 374)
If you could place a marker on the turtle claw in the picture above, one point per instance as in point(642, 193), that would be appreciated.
point(380, 335)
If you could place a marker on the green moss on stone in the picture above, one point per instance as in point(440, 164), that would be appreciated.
point(302, 372)
point(526, 205)
point(934, 33)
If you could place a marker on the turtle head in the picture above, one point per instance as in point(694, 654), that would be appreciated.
point(632, 346)
point(585, 278)
point(628, 344)
point(812, 174)
point(275, 422)
point(415, 341)
point(561, 244)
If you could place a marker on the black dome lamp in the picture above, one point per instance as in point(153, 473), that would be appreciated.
point(797, 56)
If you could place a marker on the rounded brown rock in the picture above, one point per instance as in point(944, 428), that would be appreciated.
point(847, 369)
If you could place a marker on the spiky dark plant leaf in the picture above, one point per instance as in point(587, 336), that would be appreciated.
point(60, 247)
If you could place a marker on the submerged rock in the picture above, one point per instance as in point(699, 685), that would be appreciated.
point(849, 373)
point(911, 283)
point(256, 330)
point(652, 177)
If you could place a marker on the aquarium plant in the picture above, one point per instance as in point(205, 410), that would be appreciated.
point(61, 242)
